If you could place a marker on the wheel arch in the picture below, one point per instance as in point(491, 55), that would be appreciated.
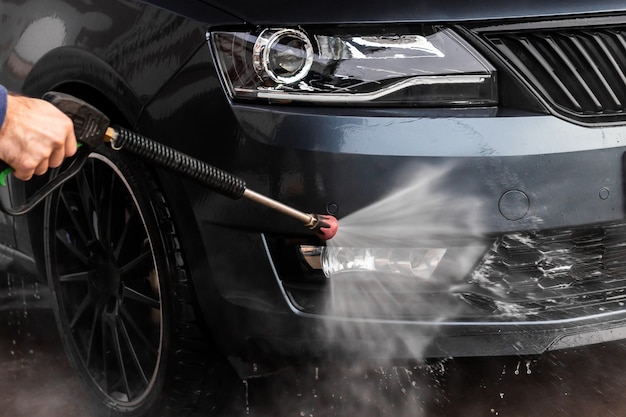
point(74, 71)
point(68, 68)
point(77, 72)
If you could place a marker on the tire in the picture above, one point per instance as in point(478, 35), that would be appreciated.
point(123, 304)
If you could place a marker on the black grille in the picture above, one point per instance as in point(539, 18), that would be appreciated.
point(554, 275)
point(581, 72)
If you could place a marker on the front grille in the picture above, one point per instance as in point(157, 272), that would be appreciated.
point(551, 275)
point(580, 72)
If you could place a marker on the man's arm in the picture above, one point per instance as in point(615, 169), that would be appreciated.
point(34, 135)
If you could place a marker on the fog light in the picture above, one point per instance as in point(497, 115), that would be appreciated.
point(283, 55)
point(312, 255)
point(417, 262)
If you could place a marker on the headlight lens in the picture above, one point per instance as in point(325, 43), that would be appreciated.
point(431, 68)
point(284, 56)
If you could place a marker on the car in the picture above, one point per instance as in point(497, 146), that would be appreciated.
point(473, 154)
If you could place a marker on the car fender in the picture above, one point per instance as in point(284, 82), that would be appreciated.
point(72, 65)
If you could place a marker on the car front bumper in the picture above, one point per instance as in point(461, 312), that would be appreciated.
point(543, 197)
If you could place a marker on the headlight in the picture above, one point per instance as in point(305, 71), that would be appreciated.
point(432, 68)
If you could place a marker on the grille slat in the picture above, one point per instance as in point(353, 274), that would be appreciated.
point(569, 65)
point(581, 72)
point(517, 60)
point(594, 70)
point(573, 70)
point(614, 66)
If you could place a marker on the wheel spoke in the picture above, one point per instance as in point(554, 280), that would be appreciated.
point(61, 236)
point(141, 298)
point(148, 344)
point(80, 311)
point(128, 226)
point(92, 332)
point(108, 199)
point(105, 365)
point(138, 260)
point(117, 347)
point(102, 204)
point(85, 192)
point(74, 277)
point(133, 352)
point(74, 219)
point(95, 196)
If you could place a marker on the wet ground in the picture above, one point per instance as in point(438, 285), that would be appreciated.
point(35, 380)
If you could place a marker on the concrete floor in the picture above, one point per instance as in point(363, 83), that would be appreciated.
point(35, 380)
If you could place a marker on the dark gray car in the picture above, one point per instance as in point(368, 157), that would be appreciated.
point(472, 152)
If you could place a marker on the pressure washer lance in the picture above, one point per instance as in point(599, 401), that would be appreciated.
point(92, 128)
point(324, 226)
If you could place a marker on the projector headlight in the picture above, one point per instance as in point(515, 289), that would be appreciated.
point(284, 56)
point(432, 67)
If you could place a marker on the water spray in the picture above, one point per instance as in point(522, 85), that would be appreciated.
point(92, 128)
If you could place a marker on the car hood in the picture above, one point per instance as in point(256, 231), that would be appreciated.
point(360, 11)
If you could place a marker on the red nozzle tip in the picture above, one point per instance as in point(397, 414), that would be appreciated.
point(326, 226)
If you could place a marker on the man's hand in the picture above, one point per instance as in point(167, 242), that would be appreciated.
point(35, 136)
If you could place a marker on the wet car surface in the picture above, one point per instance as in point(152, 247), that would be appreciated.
point(473, 155)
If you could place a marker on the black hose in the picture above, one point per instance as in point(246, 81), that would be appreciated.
point(216, 179)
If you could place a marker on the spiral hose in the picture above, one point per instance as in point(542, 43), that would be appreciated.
point(213, 177)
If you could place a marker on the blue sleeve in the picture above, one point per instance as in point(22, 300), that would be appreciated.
point(3, 104)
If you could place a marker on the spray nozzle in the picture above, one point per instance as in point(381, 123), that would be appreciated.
point(324, 226)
